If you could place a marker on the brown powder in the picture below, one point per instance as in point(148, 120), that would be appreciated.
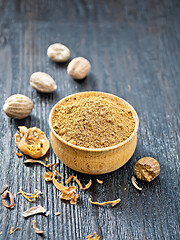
point(93, 121)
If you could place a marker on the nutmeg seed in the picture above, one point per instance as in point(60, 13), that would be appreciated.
point(78, 68)
point(58, 52)
point(42, 82)
point(18, 106)
point(147, 169)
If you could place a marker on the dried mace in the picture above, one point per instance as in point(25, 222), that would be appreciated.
point(147, 169)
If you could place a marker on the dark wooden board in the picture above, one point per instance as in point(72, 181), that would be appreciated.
point(134, 49)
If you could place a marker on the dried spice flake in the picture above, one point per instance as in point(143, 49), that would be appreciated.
point(57, 213)
point(36, 229)
point(7, 194)
point(75, 178)
point(58, 185)
point(39, 162)
point(90, 237)
point(134, 182)
point(12, 230)
point(34, 210)
point(114, 202)
point(31, 197)
point(32, 141)
point(48, 176)
point(57, 171)
point(70, 194)
point(67, 193)
point(35, 161)
point(79, 183)
point(49, 165)
point(99, 181)
point(87, 185)
point(18, 154)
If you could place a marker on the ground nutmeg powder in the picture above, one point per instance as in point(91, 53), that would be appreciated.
point(93, 121)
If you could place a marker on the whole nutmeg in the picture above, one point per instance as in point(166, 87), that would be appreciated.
point(42, 82)
point(147, 169)
point(78, 68)
point(58, 52)
point(18, 106)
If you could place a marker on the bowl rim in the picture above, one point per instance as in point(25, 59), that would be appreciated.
point(95, 149)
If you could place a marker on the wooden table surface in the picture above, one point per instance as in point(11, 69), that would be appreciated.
point(134, 49)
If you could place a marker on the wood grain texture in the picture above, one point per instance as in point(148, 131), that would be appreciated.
point(134, 49)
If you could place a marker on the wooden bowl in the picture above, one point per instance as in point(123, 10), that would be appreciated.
point(94, 160)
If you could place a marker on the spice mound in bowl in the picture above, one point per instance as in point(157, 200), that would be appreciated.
point(93, 132)
point(93, 121)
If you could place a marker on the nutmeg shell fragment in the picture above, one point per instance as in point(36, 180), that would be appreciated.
point(32, 141)
point(147, 169)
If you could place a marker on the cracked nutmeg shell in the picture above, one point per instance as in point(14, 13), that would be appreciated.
point(147, 169)
point(32, 141)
